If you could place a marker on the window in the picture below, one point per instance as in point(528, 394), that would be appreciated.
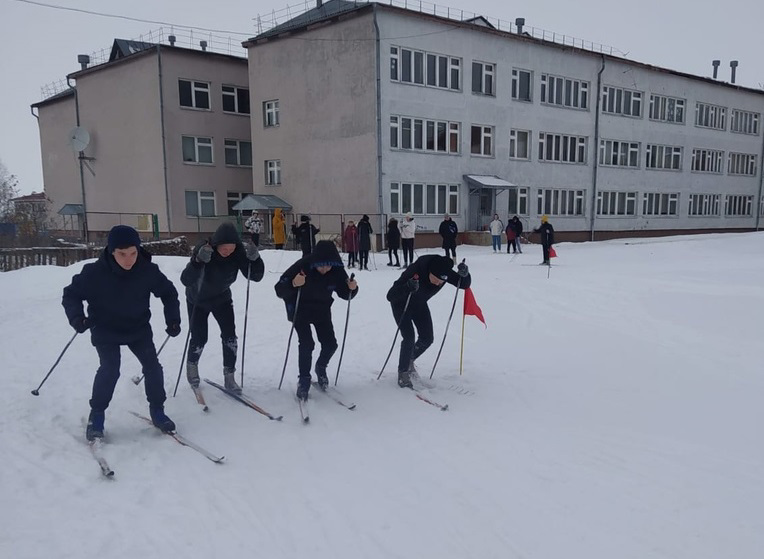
point(663, 157)
point(194, 94)
point(561, 148)
point(200, 204)
point(481, 140)
point(616, 203)
point(710, 116)
point(522, 85)
point(420, 134)
point(707, 160)
point(519, 144)
point(564, 92)
point(235, 99)
point(518, 201)
point(483, 78)
point(619, 101)
point(616, 153)
point(238, 153)
point(659, 203)
point(197, 150)
point(738, 205)
point(704, 204)
point(666, 109)
point(273, 172)
point(741, 164)
point(558, 201)
point(271, 113)
point(425, 68)
point(234, 198)
point(424, 198)
point(744, 122)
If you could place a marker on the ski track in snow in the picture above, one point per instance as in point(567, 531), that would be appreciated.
point(612, 410)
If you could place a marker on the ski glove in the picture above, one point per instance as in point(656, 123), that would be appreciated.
point(173, 329)
point(462, 270)
point(252, 252)
point(413, 285)
point(204, 254)
point(80, 324)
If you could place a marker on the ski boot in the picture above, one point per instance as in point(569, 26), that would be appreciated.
point(303, 387)
point(94, 429)
point(160, 420)
point(229, 381)
point(404, 379)
point(323, 380)
point(192, 374)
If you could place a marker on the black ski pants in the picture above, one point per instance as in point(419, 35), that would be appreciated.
point(363, 259)
point(408, 251)
point(545, 251)
point(198, 317)
point(413, 345)
point(108, 373)
point(325, 334)
point(393, 252)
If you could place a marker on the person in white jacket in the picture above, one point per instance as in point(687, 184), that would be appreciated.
point(408, 230)
point(496, 227)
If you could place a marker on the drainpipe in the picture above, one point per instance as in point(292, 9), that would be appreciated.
point(380, 197)
point(761, 184)
point(593, 206)
point(82, 174)
point(164, 140)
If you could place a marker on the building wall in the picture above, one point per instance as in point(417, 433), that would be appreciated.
point(325, 82)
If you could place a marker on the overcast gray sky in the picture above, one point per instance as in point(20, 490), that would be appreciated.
point(40, 44)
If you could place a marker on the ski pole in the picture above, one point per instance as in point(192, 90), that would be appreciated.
point(344, 336)
point(138, 379)
point(398, 329)
point(188, 336)
point(246, 312)
point(458, 286)
point(36, 391)
point(291, 331)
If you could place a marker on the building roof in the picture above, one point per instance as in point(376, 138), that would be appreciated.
point(31, 198)
point(262, 202)
point(488, 181)
point(52, 99)
point(123, 47)
point(71, 209)
point(327, 11)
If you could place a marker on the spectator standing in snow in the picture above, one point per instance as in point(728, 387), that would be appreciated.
point(449, 230)
point(546, 232)
point(254, 225)
point(279, 232)
point(496, 226)
point(408, 232)
point(393, 242)
point(350, 238)
point(516, 227)
point(364, 242)
point(305, 234)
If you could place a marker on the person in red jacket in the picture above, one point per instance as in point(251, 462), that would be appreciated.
point(350, 239)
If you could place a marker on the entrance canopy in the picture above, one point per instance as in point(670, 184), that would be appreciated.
point(71, 209)
point(488, 181)
point(262, 202)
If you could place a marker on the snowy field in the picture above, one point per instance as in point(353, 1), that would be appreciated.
point(611, 411)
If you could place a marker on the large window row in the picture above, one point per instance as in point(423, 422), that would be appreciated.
point(420, 134)
point(195, 94)
point(198, 150)
point(425, 68)
point(424, 198)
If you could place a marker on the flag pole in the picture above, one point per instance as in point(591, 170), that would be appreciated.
point(461, 354)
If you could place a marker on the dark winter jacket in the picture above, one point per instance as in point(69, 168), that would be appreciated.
point(546, 231)
point(118, 309)
point(217, 276)
point(399, 292)
point(517, 226)
point(306, 235)
point(393, 235)
point(364, 234)
point(316, 295)
point(448, 230)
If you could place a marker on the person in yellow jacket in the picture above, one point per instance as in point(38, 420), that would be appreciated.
point(278, 228)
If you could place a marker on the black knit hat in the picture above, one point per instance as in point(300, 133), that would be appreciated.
point(325, 254)
point(224, 234)
point(304, 218)
point(440, 266)
point(123, 236)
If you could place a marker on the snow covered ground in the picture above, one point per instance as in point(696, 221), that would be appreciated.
point(613, 410)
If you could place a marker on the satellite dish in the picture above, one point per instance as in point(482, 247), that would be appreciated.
point(79, 138)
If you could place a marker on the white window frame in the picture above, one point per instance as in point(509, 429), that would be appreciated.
point(561, 202)
point(660, 204)
point(738, 205)
point(741, 164)
point(423, 198)
point(562, 148)
point(614, 203)
point(745, 122)
point(233, 92)
point(663, 158)
point(514, 144)
point(519, 75)
point(487, 78)
point(486, 147)
point(201, 144)
point(409, 133)
point(559, 91)
point(197, 86)
point(271, 113)
point(272, 172)
point(238, 147)
point(703, 205)
point(667, 109)
point(707, 161)
point(710, 116)
point(621, 101)
point(234, 197)
point(518, 203)
point(425, 69)
point(201, 197)
point(619, 153)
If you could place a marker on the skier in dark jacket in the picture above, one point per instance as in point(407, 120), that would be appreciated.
point(316, 278)
point(449, 230)
point(546, 231)
point(364, 242)
point(393, 242)
point(117, 288)
point(305, 234)
point(417, 284)
point(516, 227)
point(214, 266)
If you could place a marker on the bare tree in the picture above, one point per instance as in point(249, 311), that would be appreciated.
point(8, 191)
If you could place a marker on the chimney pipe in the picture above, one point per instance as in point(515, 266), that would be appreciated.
point(172, 40)
point(715, 64)
point(84, 60)
point(733, 66)
point(203, 44)
point(519, 23)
